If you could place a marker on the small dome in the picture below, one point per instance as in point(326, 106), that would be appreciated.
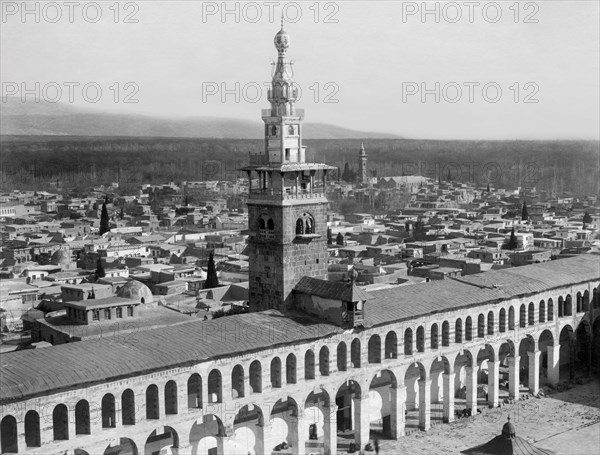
point(282, 40)
point(135, 290)
point(60, 257)
point(508, 429)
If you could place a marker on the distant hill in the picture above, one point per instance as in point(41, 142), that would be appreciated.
point(59, 119)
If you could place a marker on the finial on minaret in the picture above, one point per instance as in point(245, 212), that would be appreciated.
point(282, 19)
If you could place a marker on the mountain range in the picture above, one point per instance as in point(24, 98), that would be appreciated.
point(60, 119)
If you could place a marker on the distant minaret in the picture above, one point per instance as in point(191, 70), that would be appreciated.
point(363, 164)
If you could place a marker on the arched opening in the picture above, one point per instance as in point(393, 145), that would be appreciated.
point(561, 307)
point(237, 382)
point(299, 226)
point(542, 311)
point(436, 373)
point(550, 310)
point(309, 365)
point(434, 342)
point(526, 346)
point(256, 377)
point(468, 329)
point(381, 392)
point(283, 417)
point(408, 341)
point(458, 331)
point(270, 224)
point(261, 223)
point(248, 431)
point(568, 306)
point(108, 411)
point(32, 429)
point(583, 349)
point(567, 358)
point(445, 333)
point(545, 341)
point(276, 372)
point(290, 369)
point(420, 339)
point(206, 435)
point(578, 303)
point(480, 326)
point(463, 401)
point(215, 387)
point(502, 321)
point(342, 360)
point(355, 353)
point(523, 316)
point(170, 398)
point(391, 345)
point(487, 375)
point(531, 314)
point(152, 404)
point(374, 347)
point(490, 323)
point(124, 446)
point(511, 318)
point(128, 407)
point(60, 423)
point(315, 414)
point(324, 361)
point(8, 430)
point(82, 417)
point(585, 302)
point(348, 424)
point(596, 344)
point(162, 440)
point(415, 398)
point(194, 391)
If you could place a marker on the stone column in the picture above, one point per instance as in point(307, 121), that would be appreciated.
point(397, 408)
point(330, 430)
point(21, 442)
point(425, 404)
point(70, 423)
point(553, 364)
point(299, 435)
point(472, 388)
point(361, 422)
point(448, 412)
point(493, 383)
point(513, 377)
point(534, 371)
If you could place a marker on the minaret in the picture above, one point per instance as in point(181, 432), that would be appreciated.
point(363, 165)
point(287, 207)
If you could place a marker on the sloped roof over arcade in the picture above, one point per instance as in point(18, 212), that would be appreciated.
point(36, 372)
point(407, 302)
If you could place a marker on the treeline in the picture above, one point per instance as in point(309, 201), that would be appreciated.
point(562, 167)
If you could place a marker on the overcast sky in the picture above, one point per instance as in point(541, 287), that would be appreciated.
point(365, 57)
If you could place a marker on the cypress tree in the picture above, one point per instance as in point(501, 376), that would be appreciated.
point(587, 219)
point(329, 237)
point(488, 187)
point(339, 240)
point(524, 214)
point(104, 222)
point(100, 273)
point(212, 281)
point(512, 241)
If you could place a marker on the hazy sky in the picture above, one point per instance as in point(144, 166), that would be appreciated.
point(367, 58)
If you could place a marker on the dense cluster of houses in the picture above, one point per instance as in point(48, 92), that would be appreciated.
point(154, 259)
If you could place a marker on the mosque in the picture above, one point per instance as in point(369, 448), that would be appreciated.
point(316, 365)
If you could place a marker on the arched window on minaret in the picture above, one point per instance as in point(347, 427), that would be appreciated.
point(274, 130)
point(270, 224)
point(299, 226)
point(261, 223)
point(291, 130)
point(309, 226)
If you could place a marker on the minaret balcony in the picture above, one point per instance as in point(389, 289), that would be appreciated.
point(277, 195)
point(293, 112)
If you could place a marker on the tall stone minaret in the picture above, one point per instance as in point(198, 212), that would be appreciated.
point(363, 165)
point(287, 208)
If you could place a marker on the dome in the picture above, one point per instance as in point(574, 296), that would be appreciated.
point(508, 429)
point(135, 290)
point(60, 257)
point(282, 40)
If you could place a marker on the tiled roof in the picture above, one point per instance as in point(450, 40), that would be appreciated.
point(38, 371)
point(335, 290)
point(406, 302)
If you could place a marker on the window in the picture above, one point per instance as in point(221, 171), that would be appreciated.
point(119, 312)
point(130, 311)
point(107, 313)
point(96, 315)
